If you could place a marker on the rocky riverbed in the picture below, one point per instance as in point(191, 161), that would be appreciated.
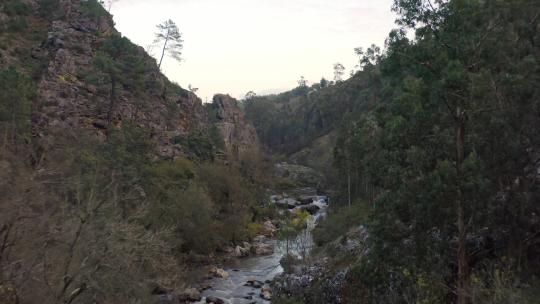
point(247, 277)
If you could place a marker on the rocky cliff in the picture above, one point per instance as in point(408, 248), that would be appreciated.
point(238, 133)
point(58, 46)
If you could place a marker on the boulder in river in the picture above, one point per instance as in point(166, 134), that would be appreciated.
point(266, 293)
point(312, 208)
point(241, 252)
point(214, 300)
point(306, 199)
point(254, 283)
point(219, 273)
point(287, 203)
point(269, 229)
point(262, 249)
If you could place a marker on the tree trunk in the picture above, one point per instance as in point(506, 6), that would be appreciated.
point(463, 294)
point(349, 184)
point(163, 50)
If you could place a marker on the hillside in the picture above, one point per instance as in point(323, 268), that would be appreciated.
point(416, 180)
point(434, 161)
point(115, 182)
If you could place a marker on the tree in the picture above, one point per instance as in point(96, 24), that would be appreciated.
point(302, 82)
point(250, 95)
point(119, 62)
point(16, 93)
point(192, 89)
point(339, 70)
point(107, 4)
point(170, 36)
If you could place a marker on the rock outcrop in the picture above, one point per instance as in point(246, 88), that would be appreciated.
point(64, 48)
point(239, 135)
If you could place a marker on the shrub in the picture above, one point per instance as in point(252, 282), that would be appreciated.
point(338, 223)
point(16, 8)
point(17, 24)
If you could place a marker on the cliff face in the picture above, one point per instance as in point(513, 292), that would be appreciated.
point(239, 135)
point(66, 98)
point(58, 47)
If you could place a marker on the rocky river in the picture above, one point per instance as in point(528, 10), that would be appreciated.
point(247, 280)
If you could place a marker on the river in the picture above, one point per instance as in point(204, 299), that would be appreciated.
point(260, 270)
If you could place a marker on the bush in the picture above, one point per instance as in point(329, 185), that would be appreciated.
point(49, 9)
point(93, 9)
point(16, 8)
point(17, 24)
point(338, 223)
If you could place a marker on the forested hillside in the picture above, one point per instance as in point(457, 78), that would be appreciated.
point(416, 180)
point(114, 181)
point(437, 158)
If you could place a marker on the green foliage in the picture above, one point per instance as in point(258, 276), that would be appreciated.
point(49, 9)
point(16, 94)
point(336, 225)
point(401, 155)
point(16, 8)
point(93, 9)
point(199, 146)
point(17, 24)
point(234, 199)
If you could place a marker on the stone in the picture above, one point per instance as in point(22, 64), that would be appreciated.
point(254, 283)
point(269, 229)
point(219, 273)
point(262, 249)
point(241, 252)
point(214, 300)
point(266, 295)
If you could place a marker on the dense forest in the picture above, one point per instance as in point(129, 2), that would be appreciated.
point(436, 154)
point(119, 186)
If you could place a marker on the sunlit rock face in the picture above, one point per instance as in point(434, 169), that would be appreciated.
point(238, 134)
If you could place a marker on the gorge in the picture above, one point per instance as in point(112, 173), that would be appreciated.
point(416, 180)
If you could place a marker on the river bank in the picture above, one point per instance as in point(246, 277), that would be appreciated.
point(246, 274)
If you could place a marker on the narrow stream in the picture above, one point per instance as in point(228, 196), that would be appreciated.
point(261, 269)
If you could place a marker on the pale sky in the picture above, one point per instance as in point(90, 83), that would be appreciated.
point(234, 46)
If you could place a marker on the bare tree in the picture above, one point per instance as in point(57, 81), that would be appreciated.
point(170, 36)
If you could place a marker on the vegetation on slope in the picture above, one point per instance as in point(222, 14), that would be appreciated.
point(442, 167)
point(90, 218)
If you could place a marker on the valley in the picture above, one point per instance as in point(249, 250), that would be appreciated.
point(414, 180)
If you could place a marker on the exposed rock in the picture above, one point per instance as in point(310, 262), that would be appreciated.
point(287, 203)
point(262, 249)
point(254, 283)
point(239, 135)
point(65, 99)
point(214, 300)
point(241, 252)
point(269, 229)
point(190, 295)
point(218, 272)
point(306, 199)
point(266, 293)
point(312, 208)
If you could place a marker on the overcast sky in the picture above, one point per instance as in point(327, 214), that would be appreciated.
point(234, 46)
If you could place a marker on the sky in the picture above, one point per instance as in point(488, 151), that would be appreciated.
point(265, 46)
